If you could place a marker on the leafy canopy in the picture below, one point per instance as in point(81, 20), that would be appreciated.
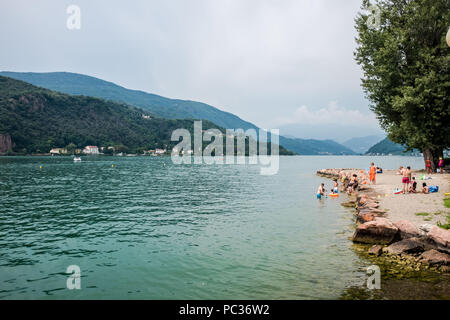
point(406, 71)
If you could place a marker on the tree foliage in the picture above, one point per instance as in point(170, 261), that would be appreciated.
point(406, 71)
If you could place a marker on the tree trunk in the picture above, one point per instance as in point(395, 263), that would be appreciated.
point(428, 155)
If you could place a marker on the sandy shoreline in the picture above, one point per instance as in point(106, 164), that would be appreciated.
point(407, 206)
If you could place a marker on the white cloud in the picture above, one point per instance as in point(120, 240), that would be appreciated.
point(332, 114)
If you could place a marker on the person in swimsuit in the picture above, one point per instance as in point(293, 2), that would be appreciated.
point(441, 165)
point(413, 187)
point(336, 187)
point(425, 188)
point(321, 191)
point(372, 173)
point(353, 184)
point(406, 177)
point(428, 166)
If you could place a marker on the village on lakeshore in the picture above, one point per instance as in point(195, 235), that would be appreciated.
point(95, 151)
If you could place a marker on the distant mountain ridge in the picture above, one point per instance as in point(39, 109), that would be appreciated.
point(362, 144)
point(78, 84)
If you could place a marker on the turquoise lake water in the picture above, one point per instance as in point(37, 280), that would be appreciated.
point(150, 229)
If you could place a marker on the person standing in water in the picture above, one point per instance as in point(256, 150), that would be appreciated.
point(372, 173)
point(321, 191)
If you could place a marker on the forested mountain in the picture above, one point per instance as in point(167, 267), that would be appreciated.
point(38, 119)
point(386, 147)
point(78, 84)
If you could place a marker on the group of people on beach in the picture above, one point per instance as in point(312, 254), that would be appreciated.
point(409, 183)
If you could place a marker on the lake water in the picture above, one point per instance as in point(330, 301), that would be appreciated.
point(150, 229)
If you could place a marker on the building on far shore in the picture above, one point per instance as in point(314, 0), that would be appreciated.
point(91, 150)
point(57, 151)
point(160, 151)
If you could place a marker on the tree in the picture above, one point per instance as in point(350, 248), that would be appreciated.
point(406, 61)
point(71, 148)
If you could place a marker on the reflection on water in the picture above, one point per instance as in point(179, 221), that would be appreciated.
point(149, 229)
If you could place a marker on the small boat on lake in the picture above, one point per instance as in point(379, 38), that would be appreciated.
point(76, 159)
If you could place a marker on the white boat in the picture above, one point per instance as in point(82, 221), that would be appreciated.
point(76, 159)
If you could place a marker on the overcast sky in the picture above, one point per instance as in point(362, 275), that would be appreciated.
point(273, 63)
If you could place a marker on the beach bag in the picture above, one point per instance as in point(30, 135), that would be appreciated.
point(433, 189)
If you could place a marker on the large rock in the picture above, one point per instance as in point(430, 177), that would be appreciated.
point(412, 245)
point(379, 231)
point(406, 229)
point(440, 238)
point(434, 257)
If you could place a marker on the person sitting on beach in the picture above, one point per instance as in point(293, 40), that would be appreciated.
point(441, 165)
point(425, 188)
point(406, 178)
point(353, 184)
point(413, 187)
point(372, 173)
point(336, 186)
point(321, 191)
point(379, 170)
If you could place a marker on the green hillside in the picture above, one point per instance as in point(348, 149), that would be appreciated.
point(38, 119)
point(315, 147)
point(78, 84)
point(386, 147)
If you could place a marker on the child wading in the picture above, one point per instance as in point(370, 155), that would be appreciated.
point(336, 186)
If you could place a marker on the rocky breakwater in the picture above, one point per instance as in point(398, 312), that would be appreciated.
point(427, 246)
point(399, 241)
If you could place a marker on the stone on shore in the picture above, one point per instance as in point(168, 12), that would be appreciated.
point(406, 229)
point(426, 227)
point(376, 250)
point(412, 245)
point(349, 204)
point(379, 231)
point(434, 257)
point(364, 217)
point(440, 237)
